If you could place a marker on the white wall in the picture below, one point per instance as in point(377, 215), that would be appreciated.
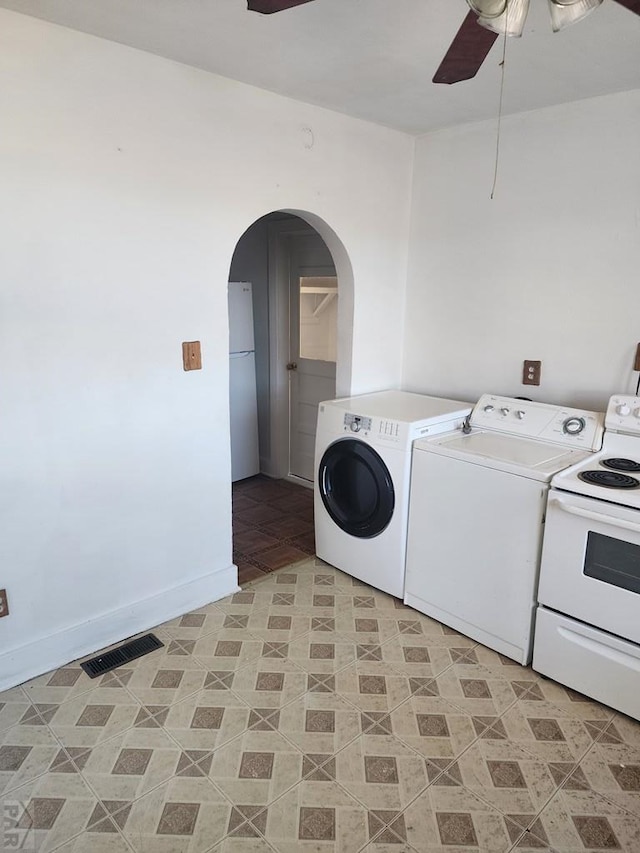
point(127, 181)
point(547, 270)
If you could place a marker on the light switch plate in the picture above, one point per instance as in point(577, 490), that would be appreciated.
point(191, 355)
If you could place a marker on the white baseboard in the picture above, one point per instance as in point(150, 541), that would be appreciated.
point(300, 481)
point(47, 653)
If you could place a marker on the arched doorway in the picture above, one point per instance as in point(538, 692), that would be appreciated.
point(302, 298)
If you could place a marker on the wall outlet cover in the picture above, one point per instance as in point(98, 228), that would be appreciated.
point(531, 372)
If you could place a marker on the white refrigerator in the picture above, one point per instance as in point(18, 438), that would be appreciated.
point(245, 461)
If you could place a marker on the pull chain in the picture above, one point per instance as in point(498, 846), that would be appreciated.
point(502, 66)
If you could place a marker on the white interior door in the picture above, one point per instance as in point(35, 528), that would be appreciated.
point(312, 346)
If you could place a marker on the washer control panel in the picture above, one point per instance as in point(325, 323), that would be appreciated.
point(544, 421)
point(623, 414)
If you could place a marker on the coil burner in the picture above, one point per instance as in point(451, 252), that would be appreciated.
point(609, 479)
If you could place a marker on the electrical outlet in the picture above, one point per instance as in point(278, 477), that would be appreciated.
point(4, 603)
point(531, 372)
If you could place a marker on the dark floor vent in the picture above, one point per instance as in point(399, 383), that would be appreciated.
point(122, 655)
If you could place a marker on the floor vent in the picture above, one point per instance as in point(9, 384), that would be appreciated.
point(122, 655)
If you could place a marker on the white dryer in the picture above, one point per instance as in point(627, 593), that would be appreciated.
point(363, 470)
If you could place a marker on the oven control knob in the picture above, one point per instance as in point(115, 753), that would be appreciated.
point(623, 409)
point(520, 414)
point(488, 408)
point(505, 411)
point(573, 426)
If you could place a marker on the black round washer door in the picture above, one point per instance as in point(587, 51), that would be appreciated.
point(356, 488)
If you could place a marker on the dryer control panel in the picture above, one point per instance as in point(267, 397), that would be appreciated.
point(357, 423)
point(374, 427)
point(388, 429)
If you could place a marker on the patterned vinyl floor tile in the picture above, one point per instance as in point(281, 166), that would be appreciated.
point(166, 680)
point(257, 767)
point(575, 821)
point(380, 774)
point(188, 814)
point(446, 818)
point(49, 811)
point(546, 732)
point(26, 752)
point(322, 723)
point(131, 764)
point(227, 648)
point(507, 777)
point(326, 652)
point(477, 693)
point(102, 843)
point(613, 770)
point(195, 625)
point(280, 628)
point(208, 719)
point(432, 726)
point(241, 844)
point(309, 712)
point(317, 816)
point(372, 685)
point(64, 684)
point(16, 708)
point(272, 681)
point(94, 717)
point(419, 655)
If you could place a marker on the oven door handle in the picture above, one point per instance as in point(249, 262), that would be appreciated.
point(595, 516)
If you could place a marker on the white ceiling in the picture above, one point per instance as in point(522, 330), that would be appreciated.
point(372, 59)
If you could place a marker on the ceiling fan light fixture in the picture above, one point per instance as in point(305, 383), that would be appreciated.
point(567, 12)
point(488, 8)
point(510, 21)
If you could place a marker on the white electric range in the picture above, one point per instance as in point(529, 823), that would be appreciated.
point(588, 622)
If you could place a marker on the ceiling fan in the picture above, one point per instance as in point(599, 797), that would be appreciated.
point(472, 43)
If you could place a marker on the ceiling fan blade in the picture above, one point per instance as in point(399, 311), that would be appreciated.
point(631, 5)
point(468, 51)
point(268, 7)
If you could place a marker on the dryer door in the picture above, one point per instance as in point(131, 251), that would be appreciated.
point(356, 488)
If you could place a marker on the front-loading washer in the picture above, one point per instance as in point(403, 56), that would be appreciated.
point(363, 470)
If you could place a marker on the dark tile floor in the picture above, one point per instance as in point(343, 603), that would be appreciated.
point(272, 526)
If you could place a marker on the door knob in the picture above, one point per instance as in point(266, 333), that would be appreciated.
point(292, 366)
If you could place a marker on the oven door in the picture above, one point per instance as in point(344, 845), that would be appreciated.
point(590, 565)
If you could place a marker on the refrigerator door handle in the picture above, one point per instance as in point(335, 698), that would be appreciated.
point(241, 354)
